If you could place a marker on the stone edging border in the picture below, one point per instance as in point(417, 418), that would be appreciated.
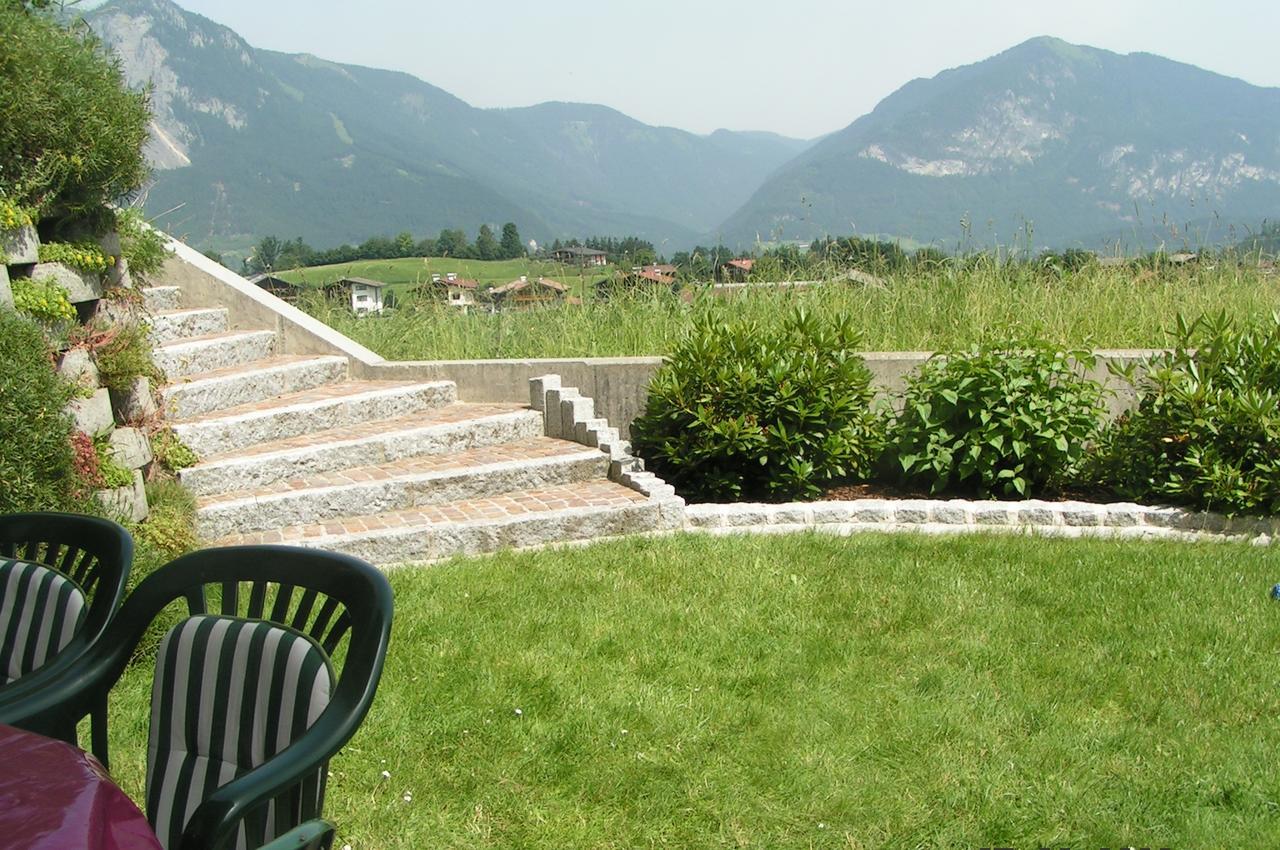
point(958, 516)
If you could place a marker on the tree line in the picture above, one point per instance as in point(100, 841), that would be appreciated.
point(275, 254)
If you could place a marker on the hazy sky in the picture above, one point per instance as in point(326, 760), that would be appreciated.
point(799, 67)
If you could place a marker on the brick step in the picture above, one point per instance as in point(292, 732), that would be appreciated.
point(174, 325)
point(217, 351)
point(562, 514)
point(310, 411)
point(233, 386)
point(159, 299)
point(532, 464)
point(454, 427)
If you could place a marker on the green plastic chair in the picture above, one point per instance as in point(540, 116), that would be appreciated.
point(56, 605)
point(247, 706)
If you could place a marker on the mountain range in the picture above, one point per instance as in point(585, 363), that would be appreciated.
point(1058, 144)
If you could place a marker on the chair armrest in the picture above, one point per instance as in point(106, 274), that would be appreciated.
point(312, 835)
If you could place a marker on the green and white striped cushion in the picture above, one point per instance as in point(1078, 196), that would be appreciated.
point(228, 694)
point(40, 611)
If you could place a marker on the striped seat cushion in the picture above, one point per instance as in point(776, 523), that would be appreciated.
point(40, 611)
point(228, 694)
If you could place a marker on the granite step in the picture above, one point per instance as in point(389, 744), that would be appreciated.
point(160, 299)
point(451, 428)
point(305, 413)
point(567, 513)
point(532, 464)
point(208, 353)
point(184, 324)
point(220, 389)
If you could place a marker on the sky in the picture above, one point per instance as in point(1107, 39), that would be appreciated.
point(797, 67)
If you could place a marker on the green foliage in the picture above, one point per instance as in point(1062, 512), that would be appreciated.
point(71, 132)
point(742, 411)
point(13, 216)
point(169, 530)
point(122, 353)
point(35, 447)
point(143, 247)
point(170, 452)
point(1206, 429)
point(1010, 419)
point(113, 474)
point(43, 299)
point(85, 256)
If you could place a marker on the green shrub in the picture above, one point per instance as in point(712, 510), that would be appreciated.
point(170, 452)
point(142, 246)
point(1008, 419)
point(1206, 429)
point(113, 474)
point(71, 132)
point(122, 353)
point(12, 216)
point(746, 412)
point(35, 434)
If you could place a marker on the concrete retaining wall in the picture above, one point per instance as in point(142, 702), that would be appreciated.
point(617, 384)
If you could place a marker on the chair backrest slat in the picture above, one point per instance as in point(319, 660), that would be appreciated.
point(341, 626)
point(321, 623)
point(284, 596)
point(195, 600)
point(303, 614)
point(257, 600)
point(231, 598)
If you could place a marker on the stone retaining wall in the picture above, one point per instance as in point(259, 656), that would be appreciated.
point(956, 516)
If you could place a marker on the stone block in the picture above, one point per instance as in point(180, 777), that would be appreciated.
point(588, 432)
point(538, 388)
point(573, 411)
point(135, 405)
point(22, 245)
point(911, 512)
point(990, 513)
point(77, 366)
point(6, 293)
point(79, 286)
point(871, 511)
point(948, 513)
point(1040, 515)
point(551, 416)
point(1081, 515)
point(130, 448)
point(128, 504)
point(92, 415)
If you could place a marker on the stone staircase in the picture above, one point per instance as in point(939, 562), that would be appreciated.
point(293, 450)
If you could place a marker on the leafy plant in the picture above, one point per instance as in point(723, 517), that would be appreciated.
point(113, 473)
point(43, 299)
point(85, 256)
point(1206, 429)
point(170, 452)
point(742, 411)
point(71, 131)
point(1004, 419)
point(13, 216)
point(143, 247)
point(35, 432)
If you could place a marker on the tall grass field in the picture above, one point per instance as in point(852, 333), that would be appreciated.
point(952, 306)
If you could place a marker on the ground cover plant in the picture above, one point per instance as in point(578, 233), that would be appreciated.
point(947, 305)
point(1206, 429)
point(742, 412)
point(817, 692)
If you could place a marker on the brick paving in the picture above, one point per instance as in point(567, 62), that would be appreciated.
point(451, 414)
point(593, 494)
point(537, 448)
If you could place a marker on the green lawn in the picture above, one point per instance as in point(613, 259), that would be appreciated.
point(817, 692)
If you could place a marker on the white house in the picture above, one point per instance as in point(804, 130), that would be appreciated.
point(365, 294)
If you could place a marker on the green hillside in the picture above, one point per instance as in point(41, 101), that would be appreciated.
point(403, 274)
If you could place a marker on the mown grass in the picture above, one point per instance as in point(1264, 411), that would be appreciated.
point(926, 310)
point(815, 692)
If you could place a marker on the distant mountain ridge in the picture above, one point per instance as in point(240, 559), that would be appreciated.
point(1074, 145)
point(248, 142)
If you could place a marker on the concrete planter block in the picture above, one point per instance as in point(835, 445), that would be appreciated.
point(130, 448)
point(6, 293)
point(77, 366)
point(118, 275)
point(538, 388)
point(21, 245)
point(79, 286)
point(128, 504)
point(135, 405)
point(92, 415)
point(109, 242)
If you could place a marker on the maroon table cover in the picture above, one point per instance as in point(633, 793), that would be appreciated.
point(54, 796)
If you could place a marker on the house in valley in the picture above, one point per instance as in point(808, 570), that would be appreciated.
point(455, 291)
point(279, 287)
point(575, 255)
point(366, 296)
point(526, 293)
point(736, 271)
